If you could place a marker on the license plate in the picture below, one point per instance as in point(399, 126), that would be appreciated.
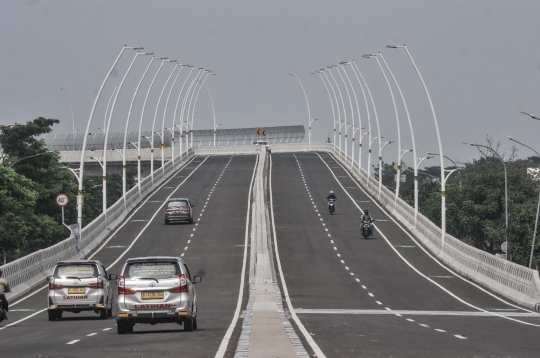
point(75, 290)
point(152, 295)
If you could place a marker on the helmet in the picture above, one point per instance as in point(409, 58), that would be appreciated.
point(366, 211)
point(331, 192)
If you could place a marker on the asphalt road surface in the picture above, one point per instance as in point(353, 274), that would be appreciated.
point(381, 297)
point(384, 296)
point(213, 247)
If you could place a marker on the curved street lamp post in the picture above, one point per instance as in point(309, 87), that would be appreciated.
point(80, 196)
point(443, 185)
point(307, 104)
point(538, 205)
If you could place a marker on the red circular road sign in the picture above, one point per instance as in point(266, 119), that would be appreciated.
point(62, 199)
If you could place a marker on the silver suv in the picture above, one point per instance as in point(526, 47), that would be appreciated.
point(156, 290)
point(77, 286)
point(178, 209)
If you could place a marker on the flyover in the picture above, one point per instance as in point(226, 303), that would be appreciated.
point(282, 277)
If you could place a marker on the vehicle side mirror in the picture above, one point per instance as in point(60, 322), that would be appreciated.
point(197, 279)
point(192, 205)
point(113, 277)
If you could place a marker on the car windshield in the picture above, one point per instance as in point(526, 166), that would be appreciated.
point(154, 269)
point(76, 270)
point(177, 204)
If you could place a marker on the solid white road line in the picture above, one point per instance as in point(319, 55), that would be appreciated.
point(225, 341)
point(414, 268)
point(318, 352)
point(387, 311)
point(103, 245)
point(22, 319)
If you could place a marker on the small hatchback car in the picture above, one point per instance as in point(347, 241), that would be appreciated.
point(77, 286)
point(178, 209)
point(156, 290)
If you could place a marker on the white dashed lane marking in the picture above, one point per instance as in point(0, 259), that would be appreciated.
point(73, 341)
point(91, 334)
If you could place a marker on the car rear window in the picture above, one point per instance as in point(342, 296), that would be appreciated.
point(178, 203)
point(154, 269)
point(76, 270)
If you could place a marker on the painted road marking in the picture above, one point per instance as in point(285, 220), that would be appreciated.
point(436, 276)
point(138, 220)
point(115, 247)
point(423, 325)
point(371, 294)
point(379, 302)
point(406, 246)
point(459, 336)
point(357, 280)
point(410, 312)
point(440, 330)
point(106, 329)
point(91, 334)
point(25, 310)
point(410, 320)
point(73, 342)
point(155, 201)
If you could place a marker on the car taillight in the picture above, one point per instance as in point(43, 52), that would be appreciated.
point(186, 208)
point(169, 208)
point(122, 290)
point(96, 285)
point(55, 286)
point(183, 286)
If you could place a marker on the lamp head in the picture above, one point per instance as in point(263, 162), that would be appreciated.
point(368, 55)
point(467, 143)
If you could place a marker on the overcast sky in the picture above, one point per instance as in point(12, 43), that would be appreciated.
point(480, 61)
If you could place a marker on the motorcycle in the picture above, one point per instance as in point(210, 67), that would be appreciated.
point(331, 206)
point(365, 228)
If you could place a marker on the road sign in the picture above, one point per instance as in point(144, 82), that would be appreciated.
point(261, 132)
point(504, 246)
point(258, 132)
point(264, 132)
point(62, 200)
point(162, 145)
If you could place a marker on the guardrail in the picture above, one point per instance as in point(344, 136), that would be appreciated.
point(30, 271)
point(515, 282)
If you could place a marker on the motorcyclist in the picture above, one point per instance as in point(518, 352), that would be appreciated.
point(331, 196)
point(4, 288)
point(367, 217)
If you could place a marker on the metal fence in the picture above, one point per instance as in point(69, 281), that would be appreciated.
point(224, 137)
point(509, 279)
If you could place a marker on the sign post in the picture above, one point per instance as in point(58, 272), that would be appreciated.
point(62, 200)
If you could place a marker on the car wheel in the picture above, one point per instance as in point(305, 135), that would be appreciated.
point(188, 325)
point(129, 329)
point(121, 328)
point(52, 315)
point(191, 220)
point(166, 222)
point(195, 323)
point(103, 313)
